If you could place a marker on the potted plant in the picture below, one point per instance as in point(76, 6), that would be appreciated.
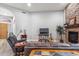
point(60, 31)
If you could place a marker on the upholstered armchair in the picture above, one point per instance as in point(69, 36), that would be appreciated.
point(17, 46)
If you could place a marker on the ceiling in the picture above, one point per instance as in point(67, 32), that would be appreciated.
point(36, 7)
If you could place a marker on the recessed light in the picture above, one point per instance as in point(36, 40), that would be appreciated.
point(29, 4)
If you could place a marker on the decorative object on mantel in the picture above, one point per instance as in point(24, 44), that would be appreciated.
point(66, 24)
point(60, 31)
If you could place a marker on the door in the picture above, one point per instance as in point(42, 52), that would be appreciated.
point(3, 30)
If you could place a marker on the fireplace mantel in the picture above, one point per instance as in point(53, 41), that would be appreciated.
point(72, 26)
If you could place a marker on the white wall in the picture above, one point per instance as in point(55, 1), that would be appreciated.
point(33, 21)
point(48, 20)
point(22, 21)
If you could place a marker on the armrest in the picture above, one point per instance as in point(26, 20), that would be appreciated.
point(20, 40)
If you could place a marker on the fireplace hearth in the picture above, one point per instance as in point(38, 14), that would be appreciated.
point(73, 37)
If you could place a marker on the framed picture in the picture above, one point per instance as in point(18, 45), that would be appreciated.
point(72, 21)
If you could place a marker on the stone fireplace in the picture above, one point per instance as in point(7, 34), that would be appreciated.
point(72, 23)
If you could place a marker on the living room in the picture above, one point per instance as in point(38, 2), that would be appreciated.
point(38, 25)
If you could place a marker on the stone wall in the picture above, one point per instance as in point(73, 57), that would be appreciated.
point(71, 11)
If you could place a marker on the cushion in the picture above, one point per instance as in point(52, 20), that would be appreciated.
point(63, 44)
point(38, 44)
point(60, 45)
point(20, 44)
point(74, 45)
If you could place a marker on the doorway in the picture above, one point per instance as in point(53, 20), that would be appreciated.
point(3, 30)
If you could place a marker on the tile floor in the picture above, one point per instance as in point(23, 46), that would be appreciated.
point(5, 49)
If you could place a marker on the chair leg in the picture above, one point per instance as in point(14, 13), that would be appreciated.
point(15, 54)
point(19, 54)
point(22, 53)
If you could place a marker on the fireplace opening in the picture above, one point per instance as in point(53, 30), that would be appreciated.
point(73, 37)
